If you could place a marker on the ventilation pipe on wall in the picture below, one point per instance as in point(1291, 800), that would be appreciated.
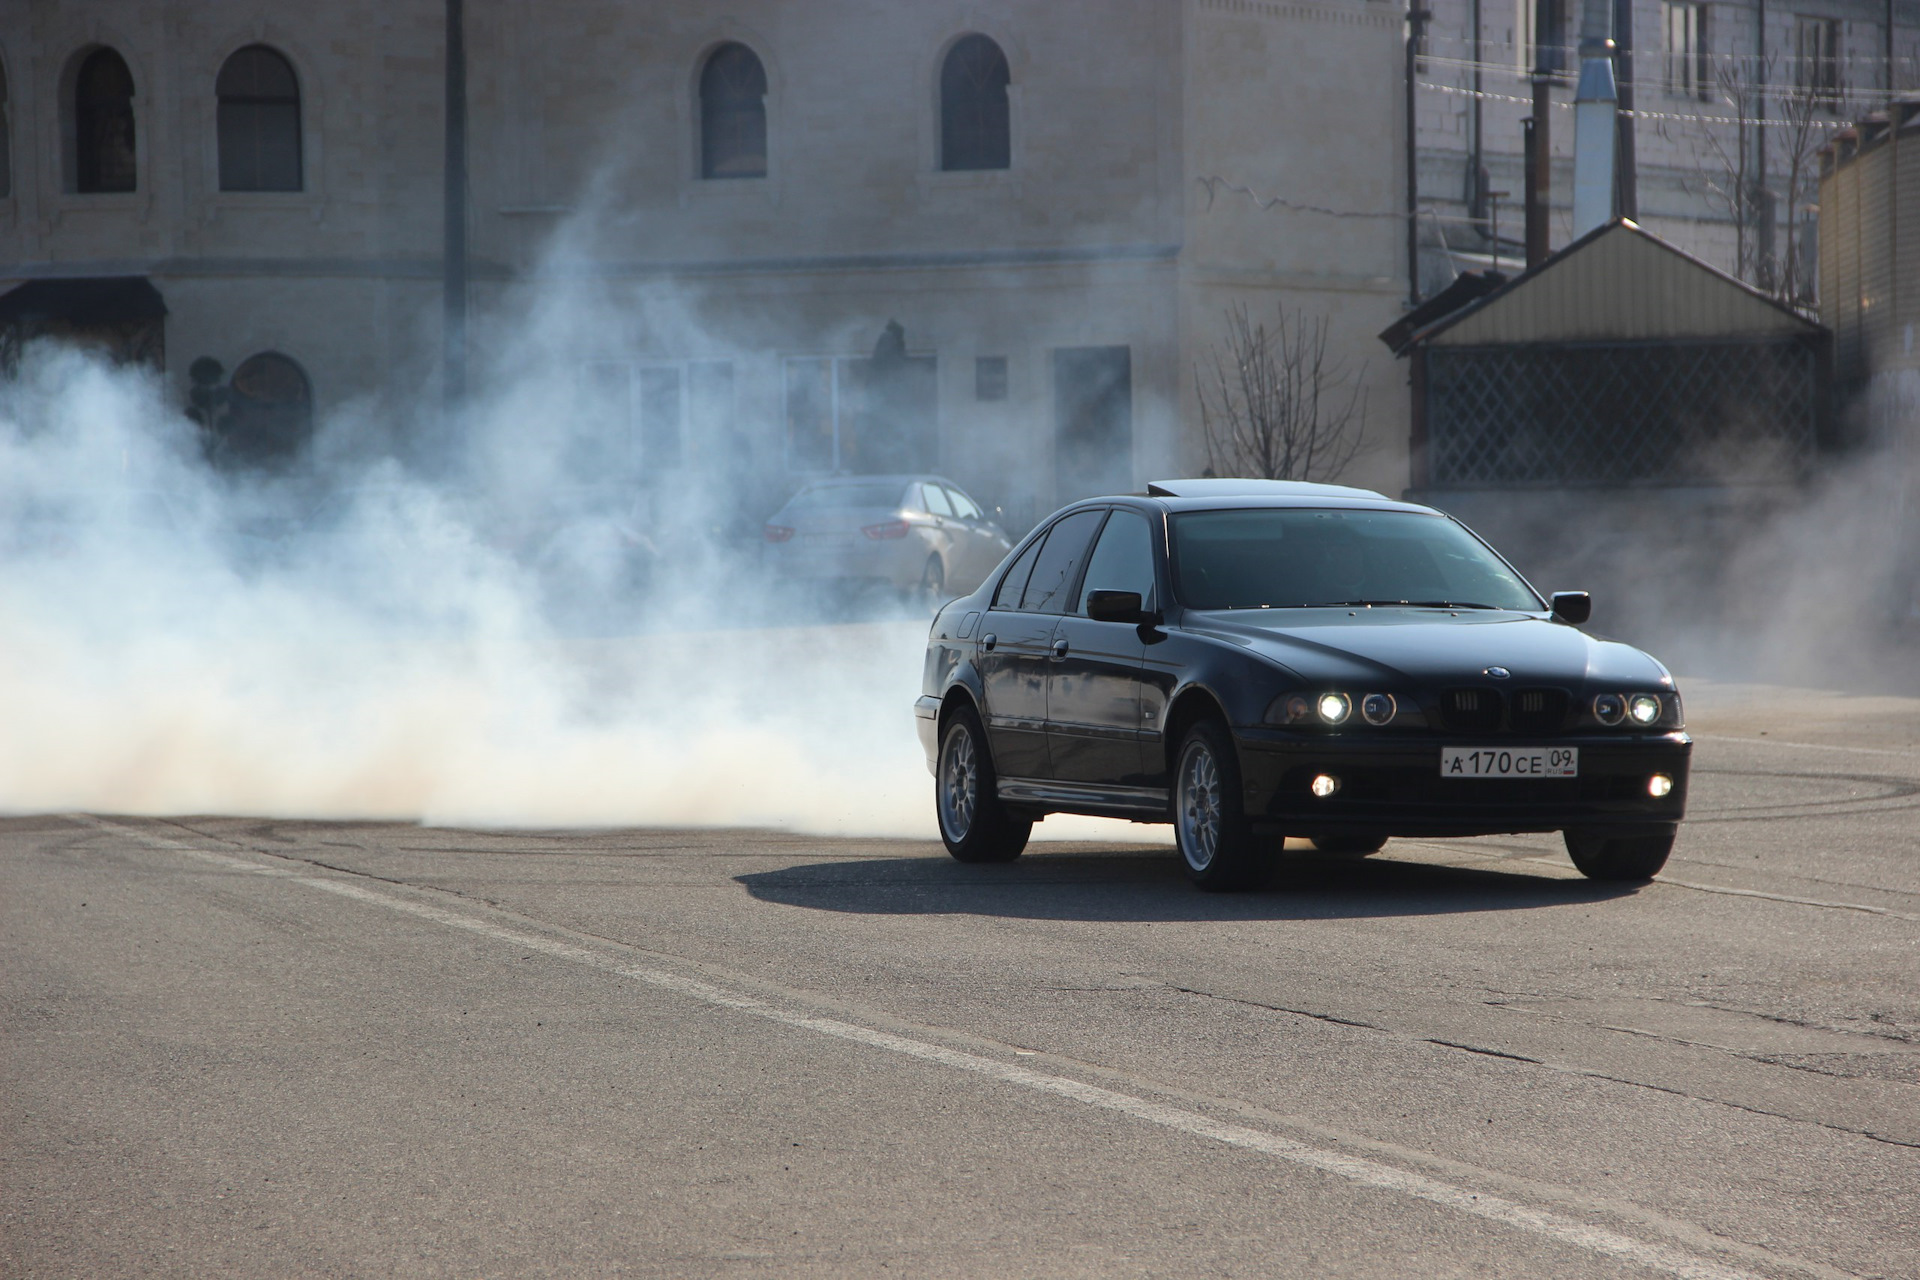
point(1595, 126)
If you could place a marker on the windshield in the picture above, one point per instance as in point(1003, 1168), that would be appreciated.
point(846, 497)
point(1290, 558)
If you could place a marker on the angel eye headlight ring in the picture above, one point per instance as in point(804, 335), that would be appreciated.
point(1378, 708)
point(1609, 708)
point(1643, 708)
point(1334, 708)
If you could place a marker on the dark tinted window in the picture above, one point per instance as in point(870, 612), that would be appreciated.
point(1291, 558)
point(1059, 564)
point(258, 122)
point(1011, 586)
point(1122, 559)
point(974, 119)
point(103, 124)
point(733, 114)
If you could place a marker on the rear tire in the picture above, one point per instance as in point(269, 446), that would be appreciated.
point(974, 825)
point(1632, 859)
point(1349, 846)
point(1217, 844)
point(931, 591)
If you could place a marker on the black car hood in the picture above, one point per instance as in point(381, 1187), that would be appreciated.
point(1401, 647)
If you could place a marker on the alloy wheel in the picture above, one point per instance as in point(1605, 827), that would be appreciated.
point(959, 782)
point(1199, 807)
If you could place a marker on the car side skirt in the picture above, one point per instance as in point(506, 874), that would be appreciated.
point(1094, 798)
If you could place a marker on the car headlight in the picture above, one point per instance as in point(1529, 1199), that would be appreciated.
point(1609, 708)
point(1290, 708)
point(1378, 708)
point(1643, 708)
point(1334, 708)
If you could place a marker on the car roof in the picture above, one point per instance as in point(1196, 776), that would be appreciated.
point(1238, 487)
point(830, 482)
point(1211, 494)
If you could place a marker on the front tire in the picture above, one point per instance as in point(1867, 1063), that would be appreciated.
point(974, 825)
point(1632, 859)
point(1217, 844)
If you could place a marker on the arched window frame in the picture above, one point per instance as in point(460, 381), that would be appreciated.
point(79, 124)
point(236, 448)
point(944, 159)
point(704, 166)
point(222, 121)
point(202, 120)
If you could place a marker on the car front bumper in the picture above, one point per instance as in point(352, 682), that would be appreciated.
point(1393, 786)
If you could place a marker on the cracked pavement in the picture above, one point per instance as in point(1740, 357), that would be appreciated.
point(250, 1046)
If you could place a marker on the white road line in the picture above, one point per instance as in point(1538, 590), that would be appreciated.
point(1654, 1256)
point(1664, 878)
point(1807, 746)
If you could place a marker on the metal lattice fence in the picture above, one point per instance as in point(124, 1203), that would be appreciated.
point(1586, 416)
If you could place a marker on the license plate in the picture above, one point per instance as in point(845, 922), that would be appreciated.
point(1509, 762)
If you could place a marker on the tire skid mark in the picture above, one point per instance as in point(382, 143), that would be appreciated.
point(1362, 1171)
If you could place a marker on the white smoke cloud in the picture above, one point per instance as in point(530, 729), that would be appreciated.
point(169, 650)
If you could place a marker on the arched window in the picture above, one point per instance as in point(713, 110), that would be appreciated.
point(259, 122)
point(269, 414)
point(103, 152)
point(733, 114)
point(973, 106)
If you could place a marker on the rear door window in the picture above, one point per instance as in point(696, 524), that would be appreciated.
point(965, 507)
point(937, 500)
point(1050, 588)
point(1008, 595)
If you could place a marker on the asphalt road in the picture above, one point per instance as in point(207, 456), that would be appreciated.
point(299, 1048)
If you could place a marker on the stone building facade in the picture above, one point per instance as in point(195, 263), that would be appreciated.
point(691, 225)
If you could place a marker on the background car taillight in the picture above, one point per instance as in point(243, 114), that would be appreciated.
point(776, 533)
point(891, 529)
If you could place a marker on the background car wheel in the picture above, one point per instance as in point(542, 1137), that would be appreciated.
point(932, 591)
point(1352, 846)
point(1216, 842)
point(974, 825)
point(1630, 858)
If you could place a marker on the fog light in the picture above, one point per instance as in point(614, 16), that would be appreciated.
point(1324, 785)
point(1643, 708)
point(1609, 708)
point(1377, 708)
point(1659, 786)
point(1334, 707)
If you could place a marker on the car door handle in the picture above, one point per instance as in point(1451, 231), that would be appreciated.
point(987, 642)
point(1059, 649)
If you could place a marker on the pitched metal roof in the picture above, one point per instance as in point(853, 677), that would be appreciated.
point(1617, 283)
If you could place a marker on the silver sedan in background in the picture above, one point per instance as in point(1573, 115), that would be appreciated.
point(912, 533)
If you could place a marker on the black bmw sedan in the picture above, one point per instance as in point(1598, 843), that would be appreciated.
point(1251, 660)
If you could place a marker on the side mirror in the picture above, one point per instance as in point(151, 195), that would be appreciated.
point(1572, 606)
point(1115, 606)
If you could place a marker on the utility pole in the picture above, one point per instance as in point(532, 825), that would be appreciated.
point(1627, 199)
point(454, 250)
point(1540, 152)
point(1416, 24)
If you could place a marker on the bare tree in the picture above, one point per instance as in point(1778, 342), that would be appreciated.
point(1800, 125)
point(1274, 406)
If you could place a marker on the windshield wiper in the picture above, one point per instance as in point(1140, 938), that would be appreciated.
point(1417, 604)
